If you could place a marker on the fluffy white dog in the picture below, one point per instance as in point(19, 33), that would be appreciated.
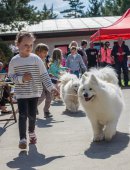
point(107, 74)
point(103, 102)
point(68, 91)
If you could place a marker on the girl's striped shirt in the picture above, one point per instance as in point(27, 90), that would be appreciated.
point(32, 64)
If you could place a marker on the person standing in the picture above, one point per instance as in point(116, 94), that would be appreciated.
point(82, 52)
point(56, 69)
point(74, 62)
point(106, 57)
point(120, 53)
point(92, 56)
point(42, 51)
point(28, 73)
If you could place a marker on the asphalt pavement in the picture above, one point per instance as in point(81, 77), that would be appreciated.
point(65, 143)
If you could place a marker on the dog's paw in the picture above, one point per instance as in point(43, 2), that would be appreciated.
point(98, 138)
point(108, 134)
point(108, 137)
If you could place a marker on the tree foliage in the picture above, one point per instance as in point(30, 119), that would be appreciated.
point(115, 7)
point(47, 13)
point(75, 9)
point(15, 13)
point(5, 52)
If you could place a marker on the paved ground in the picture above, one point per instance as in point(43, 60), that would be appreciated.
point(65, 143)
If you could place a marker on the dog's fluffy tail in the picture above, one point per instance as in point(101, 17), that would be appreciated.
point(107, 74)
point(65, 78)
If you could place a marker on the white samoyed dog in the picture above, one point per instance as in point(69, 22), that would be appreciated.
point(103, 102)
point(69, 84)
point(107, 74)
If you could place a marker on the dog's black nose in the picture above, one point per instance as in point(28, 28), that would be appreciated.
point(85, 94)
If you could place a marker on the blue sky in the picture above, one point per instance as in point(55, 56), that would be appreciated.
point(58, 5)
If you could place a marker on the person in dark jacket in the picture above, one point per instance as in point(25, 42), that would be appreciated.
point(120, 53)
point(92, 56)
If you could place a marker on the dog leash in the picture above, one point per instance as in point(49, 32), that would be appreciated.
point(69, 94)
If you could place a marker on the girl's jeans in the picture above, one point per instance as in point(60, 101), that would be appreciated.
point(27, 108)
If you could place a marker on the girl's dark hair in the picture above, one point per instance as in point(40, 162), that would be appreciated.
point(83, 42)
point(22, 34)
point(56, 55)
point(107, 42)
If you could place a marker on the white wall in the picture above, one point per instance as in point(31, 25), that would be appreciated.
point(51, 42)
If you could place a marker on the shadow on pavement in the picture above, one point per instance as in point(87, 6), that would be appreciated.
point(103, 150)
point(46, 122)
point(31, 159)
point(79, 113)
point(6, 125)
point(2, 130)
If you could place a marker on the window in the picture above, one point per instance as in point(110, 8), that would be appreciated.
point(64, 48)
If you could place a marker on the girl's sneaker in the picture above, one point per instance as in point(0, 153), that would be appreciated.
point(32, 138)
point(23, 144)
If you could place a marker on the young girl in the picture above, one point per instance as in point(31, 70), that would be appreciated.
point(55, 67)
point(74, 62)
point(28, 72)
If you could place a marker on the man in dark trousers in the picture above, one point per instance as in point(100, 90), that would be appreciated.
point(120, 53)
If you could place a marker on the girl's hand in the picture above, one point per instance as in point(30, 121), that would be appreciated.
point(27, 77)
point(55, 92)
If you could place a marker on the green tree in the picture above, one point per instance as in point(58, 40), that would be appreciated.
point(47, 13)
point(94, 8)
point(123, 5)
point(15, 13)
point(5, 52)
point(115, 7)
point(75, 9)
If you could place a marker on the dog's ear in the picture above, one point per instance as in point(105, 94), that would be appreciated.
point(86, 74)
point(83, 78)
point(93, 79)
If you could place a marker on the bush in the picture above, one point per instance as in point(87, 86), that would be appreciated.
point(5, 52)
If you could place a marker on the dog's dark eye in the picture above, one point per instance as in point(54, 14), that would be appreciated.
point(83, 89)
point(90, 88)
point(76, 86)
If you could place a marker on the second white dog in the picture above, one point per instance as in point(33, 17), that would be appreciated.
point(68, 91)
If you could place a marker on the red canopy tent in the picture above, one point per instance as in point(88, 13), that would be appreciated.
point(121, 28)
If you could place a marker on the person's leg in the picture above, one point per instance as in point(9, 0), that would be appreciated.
point(103, 64)
point(76, 73)
point(42, 98)
point(23, 110)
point(118, 70)
point(48, 99)
point(125, 73)
point(32, 109)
